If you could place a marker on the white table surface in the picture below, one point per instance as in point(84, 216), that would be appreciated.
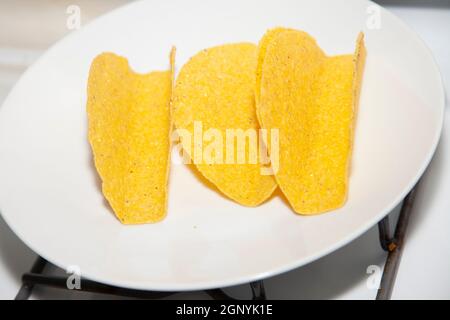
point(424, 272)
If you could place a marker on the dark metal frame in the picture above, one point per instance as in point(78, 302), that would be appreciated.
point(394, 245)
point(391, 244)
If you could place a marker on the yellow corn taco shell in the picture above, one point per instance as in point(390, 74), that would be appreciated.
point(214, 92)
point(312, 99)
point(129, 129)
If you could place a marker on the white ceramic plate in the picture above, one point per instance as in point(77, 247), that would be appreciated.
point(49, 192)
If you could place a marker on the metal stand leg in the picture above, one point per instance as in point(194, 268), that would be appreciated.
point(384, 233)
point(26, 288)
point(258, 290)
point(35, 277)
point(394, 245)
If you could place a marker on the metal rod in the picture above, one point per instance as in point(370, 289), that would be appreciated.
point(92, 286)
point(32, 279)
point(26, 288)
point(258, 290)
point(384, 233)
point(395, 248)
